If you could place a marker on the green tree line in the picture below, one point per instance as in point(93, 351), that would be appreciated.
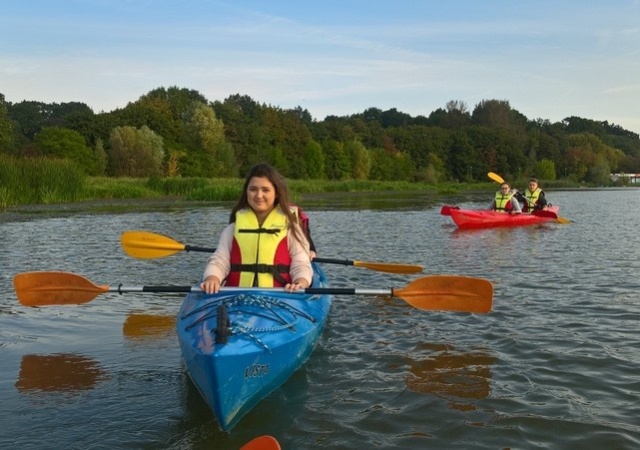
point(177, 132)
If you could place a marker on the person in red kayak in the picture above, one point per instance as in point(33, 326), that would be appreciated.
point(533, 197)
point(264, 244)
point(505, 201)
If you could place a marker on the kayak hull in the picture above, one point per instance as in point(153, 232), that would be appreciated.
point(270, 335)
point(470, 219)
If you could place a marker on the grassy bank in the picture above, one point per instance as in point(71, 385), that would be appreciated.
point(39, 181)
point(47, 181)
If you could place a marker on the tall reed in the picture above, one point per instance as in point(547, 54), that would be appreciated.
point(39, 180)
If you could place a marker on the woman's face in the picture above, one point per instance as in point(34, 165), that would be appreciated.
point(261, 195)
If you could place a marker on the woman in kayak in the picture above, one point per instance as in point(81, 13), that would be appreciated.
point(505, 201)
point(263, 245)
point(533, 197)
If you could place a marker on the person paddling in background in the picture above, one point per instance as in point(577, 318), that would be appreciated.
point(506, 201)
point(533, 197)
point(263, 245)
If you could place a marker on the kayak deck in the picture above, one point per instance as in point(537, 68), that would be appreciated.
point(239, 346)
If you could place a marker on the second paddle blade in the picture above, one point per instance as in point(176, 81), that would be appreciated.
point(144, 245)
point(448, 293)
point(54, 288)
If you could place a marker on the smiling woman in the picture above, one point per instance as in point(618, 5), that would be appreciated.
point(263, 245)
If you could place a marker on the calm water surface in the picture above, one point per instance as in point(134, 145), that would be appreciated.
point(554, 365)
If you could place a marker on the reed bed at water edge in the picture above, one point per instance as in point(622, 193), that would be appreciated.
point(49, 181)
point(229, 189)
point(39, 181)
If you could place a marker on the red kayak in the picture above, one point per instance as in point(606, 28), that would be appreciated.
point(467, 219)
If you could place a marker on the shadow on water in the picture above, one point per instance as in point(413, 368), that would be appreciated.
point(198, 427)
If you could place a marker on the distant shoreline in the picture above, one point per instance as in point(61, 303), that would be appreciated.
point(25, 213)
point(22, 213)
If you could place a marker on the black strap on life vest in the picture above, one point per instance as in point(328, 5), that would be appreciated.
point(260, 230)
point(274, 270)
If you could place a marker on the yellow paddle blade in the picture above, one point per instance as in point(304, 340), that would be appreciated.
point(495, 177)
point(389, 267)
point(55, 288)
point(144, 245)
point(563, 220)
point(448, 293)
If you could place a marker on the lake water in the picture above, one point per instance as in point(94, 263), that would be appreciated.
point(554, 365)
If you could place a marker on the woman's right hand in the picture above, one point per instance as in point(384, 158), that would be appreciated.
point(210, 285)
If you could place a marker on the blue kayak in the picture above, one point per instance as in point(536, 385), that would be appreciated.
point(239, 345)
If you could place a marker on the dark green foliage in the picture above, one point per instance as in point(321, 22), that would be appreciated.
point(225, 138)
point(7, 135)
point(57, 142)
point(31, 116)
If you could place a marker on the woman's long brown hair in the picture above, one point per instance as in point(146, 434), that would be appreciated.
point(283, 198)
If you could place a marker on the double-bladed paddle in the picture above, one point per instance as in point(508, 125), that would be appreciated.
point(433, 292)
point(542, 213)
point(146, 245)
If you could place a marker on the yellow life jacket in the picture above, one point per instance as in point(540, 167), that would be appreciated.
point(503, 202)
point(532, 198)
point(259, 254)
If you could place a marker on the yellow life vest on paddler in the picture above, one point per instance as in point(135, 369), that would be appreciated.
point(532, 198)
point(260, 254)
point(503, 202)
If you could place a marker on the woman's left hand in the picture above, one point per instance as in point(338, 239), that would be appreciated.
point(296, 285)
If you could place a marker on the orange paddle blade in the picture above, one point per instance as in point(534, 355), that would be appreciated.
point(448, 293)
point(265, 442)
point(55, 288)
point(144, 245)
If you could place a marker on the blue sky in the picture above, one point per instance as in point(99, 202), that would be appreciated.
point(549, 58)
